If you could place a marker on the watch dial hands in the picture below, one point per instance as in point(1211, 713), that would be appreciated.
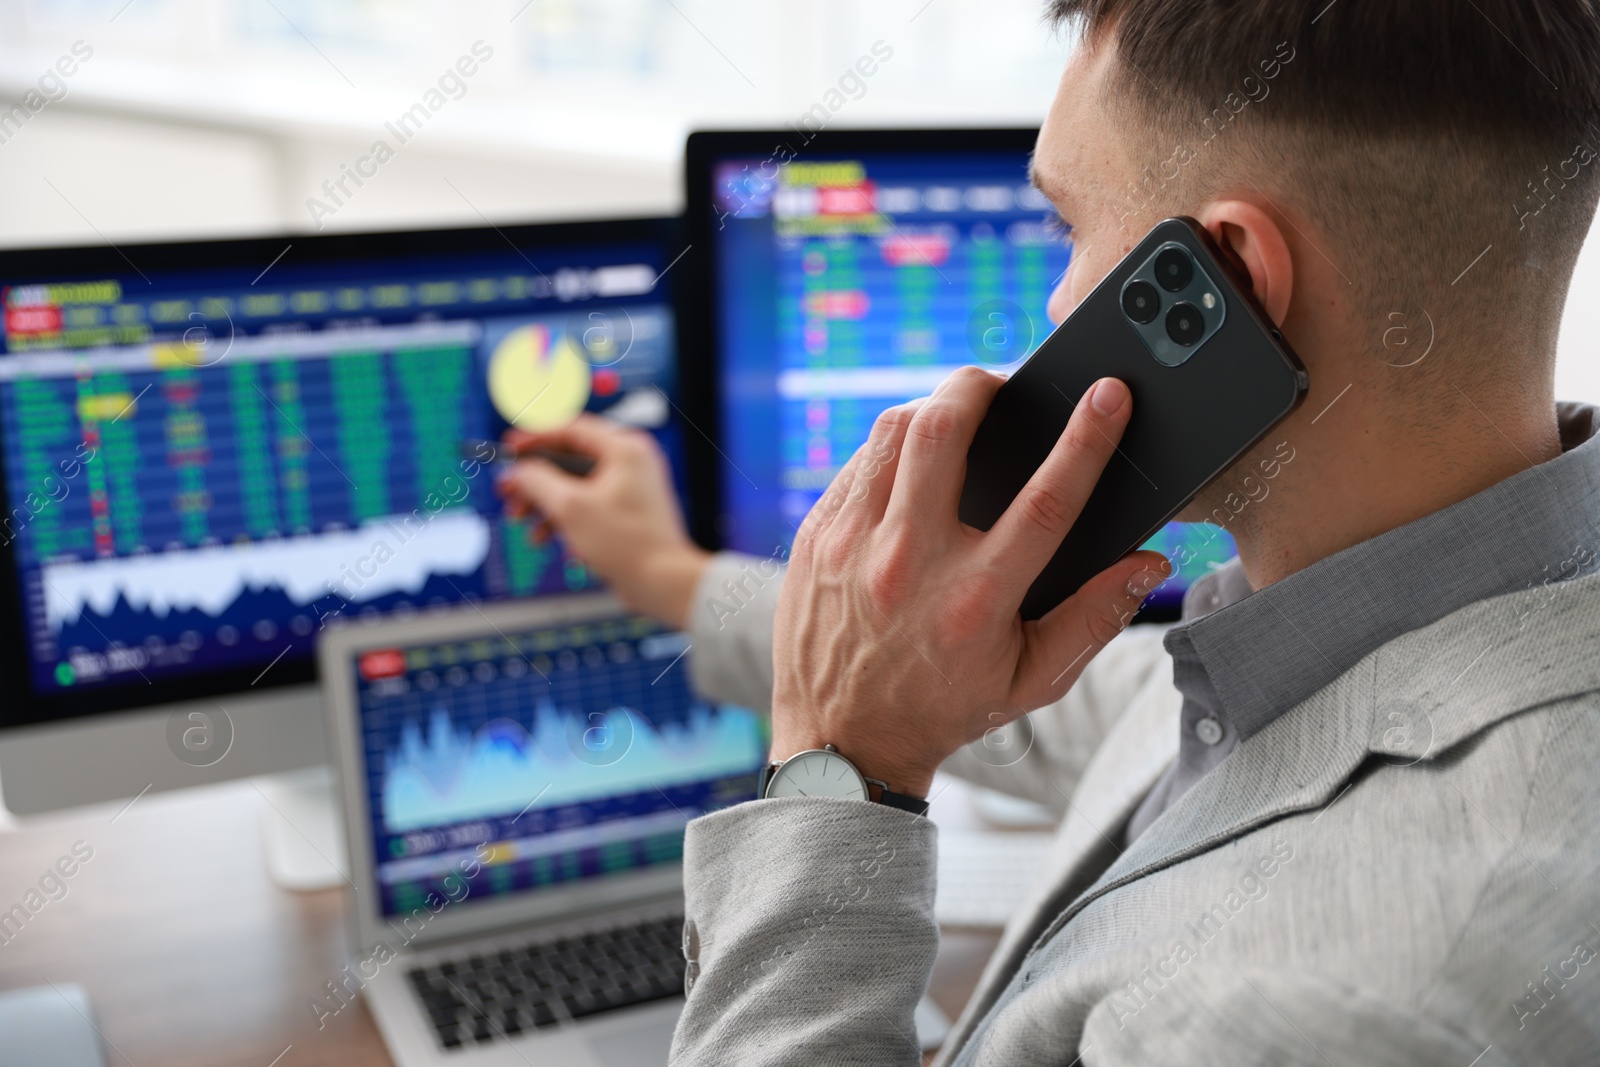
point(816, 770)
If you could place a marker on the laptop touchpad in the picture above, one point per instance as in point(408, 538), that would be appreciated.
point(647, 1046)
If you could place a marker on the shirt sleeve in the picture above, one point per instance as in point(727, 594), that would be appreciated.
point(730, 629)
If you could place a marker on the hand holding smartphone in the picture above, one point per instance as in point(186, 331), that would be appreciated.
point(1209, 372)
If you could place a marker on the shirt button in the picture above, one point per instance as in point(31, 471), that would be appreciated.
point(691, 955)
point(1208, 730)
point(691, 941)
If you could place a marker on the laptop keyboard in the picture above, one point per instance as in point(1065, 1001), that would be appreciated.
point(495, 995)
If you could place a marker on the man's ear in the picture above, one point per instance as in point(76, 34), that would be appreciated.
point(1253, 240)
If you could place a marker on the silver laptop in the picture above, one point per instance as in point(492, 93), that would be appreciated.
point(515, 785)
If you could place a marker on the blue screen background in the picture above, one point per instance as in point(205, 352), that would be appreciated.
point(846, 285)
point(173, 510)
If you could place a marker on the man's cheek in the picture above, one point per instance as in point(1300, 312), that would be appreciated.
point(1059, 307)
point(1083, 275)
point(1062, 298)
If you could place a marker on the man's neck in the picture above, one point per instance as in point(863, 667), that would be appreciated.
point(1361, 470)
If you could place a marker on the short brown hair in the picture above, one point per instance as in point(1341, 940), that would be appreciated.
point(1491, 66)
point(1431, 127)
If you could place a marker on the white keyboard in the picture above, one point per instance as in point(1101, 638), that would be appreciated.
point(983, 876)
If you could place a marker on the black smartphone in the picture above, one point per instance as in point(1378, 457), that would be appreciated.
point(1210, 375)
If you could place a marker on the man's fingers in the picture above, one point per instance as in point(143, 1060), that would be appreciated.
point(927, 485)
point(861, 488)
point(1063, 642)
point(540, 486)
point(591, 434)
point(814, 527)
point(1034, 525)
point(875, 463)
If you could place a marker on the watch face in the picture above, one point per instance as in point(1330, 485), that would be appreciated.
point(817, 774)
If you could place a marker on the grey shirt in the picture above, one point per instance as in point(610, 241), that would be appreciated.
point(1241, 658)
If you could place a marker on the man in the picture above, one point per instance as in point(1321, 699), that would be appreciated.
point(1347, 811)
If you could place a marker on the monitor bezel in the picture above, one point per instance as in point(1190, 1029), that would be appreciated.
point(700, 359)
point(26, 706)
point(336, 655)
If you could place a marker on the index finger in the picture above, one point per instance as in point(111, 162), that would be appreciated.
point(593, 434)
point(1036, 522)
point(933, 458)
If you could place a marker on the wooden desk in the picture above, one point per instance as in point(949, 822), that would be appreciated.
point(191, 955)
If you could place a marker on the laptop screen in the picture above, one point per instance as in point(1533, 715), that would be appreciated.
point(536, 759)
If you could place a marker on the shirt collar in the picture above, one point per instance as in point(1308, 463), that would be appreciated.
point(1254, 655)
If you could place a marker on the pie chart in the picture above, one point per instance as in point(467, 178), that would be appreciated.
point(538, 381)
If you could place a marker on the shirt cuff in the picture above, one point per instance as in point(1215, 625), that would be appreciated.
point(802, 909)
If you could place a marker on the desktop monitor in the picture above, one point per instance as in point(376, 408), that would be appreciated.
point(843, 271)
point(208, 450)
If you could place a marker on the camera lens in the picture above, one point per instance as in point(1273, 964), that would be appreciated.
point(1141, 301)
point(1174, 268)
point(1185, 324)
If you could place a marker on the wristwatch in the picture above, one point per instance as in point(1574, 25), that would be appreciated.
point(823, 772)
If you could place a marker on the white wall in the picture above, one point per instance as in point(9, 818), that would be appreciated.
point(1578, 360)
point(74, 174)
point(136, 179)
point(68, 174)
point(581, 109)
point(220, 117)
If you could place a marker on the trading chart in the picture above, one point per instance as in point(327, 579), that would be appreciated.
point(849, 285)
point(203, 485)
point(562, 754)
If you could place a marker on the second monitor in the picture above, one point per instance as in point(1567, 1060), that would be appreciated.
point(845, 271)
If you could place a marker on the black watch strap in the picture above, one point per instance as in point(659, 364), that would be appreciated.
point(915, 805)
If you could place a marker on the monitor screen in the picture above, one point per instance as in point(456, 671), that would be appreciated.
point(549, 757)
point(209, 450)
point(849, 271)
